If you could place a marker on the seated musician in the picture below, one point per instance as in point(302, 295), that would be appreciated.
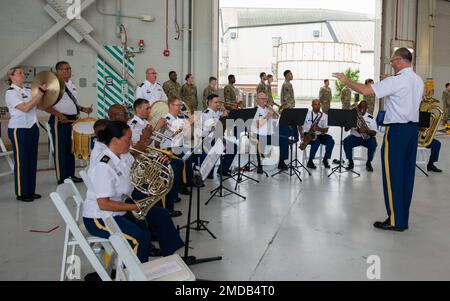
point(210, 117)
point(356, 138)
point(139, 122)
point(111, 175)
point(263, 127)
point(320, 128)
point(435, 148)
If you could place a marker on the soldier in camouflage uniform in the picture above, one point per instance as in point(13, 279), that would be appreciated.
point(269, 89)
point(229, 93)
point(446, 102)
point(189, 93)
point(287, 91)
point(325, 96)
point(370, 99)
point(211, 89)
point(346, 98)
point(171, 87)
point(262, 87)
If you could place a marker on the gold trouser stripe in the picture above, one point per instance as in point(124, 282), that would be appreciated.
point(184, 173)
point(128, 237)
point(163, 200)
point(55, 140)
point(388, 176)
point(259, 151)
point(16, 142)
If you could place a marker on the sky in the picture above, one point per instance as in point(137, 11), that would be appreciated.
point(358, 6)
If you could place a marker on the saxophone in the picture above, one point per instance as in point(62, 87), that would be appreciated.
point(430, 105)
point(152, 175)
point(311, 135)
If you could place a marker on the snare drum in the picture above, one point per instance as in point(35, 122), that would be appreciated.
point(83, 137)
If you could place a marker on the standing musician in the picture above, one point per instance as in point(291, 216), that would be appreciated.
point(355, 138)
point(320, 129)
point(263, 127)
point(150, 89)
point(403, 94)
point(23, 133)
point(210, 117)
point(62, 115)
point(111, 175)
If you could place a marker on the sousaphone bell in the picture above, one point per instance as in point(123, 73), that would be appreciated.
point(55, 89)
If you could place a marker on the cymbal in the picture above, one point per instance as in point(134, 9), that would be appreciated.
point(55, 88)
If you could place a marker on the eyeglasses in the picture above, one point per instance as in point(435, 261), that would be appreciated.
point(395, 59)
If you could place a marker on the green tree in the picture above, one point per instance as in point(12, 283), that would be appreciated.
point(352, 74)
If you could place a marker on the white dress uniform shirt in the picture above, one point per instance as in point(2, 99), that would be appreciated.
point(137, 125)
point(209, 120)
point(404, 93)
point(267, 128)
point(14, 96)
point(371, 124)
point(150, 92)
point(97, 150)
point(111, 176)
point(175, 124)
point(311, 117)
point(66, 104)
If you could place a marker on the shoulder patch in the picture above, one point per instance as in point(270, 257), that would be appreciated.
point(206, 111)
point(140, 86)
point(105, 159)
point(10, 88)
point(167, 117)
point(370, 116)
point(134, 122)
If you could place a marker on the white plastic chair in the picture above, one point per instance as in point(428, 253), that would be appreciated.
point(170, 268)
point(7, 155)
point(75, 234)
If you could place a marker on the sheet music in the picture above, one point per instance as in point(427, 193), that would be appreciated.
point(163, 270)
point(211, 159)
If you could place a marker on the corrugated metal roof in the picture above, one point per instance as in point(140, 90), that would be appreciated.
point(250, 17)
point(362, 33)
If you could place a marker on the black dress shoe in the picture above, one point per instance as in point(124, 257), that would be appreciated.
point(184, 190)
point(177, 200)
point(369, 167)
point(210, 177)
point(386, 225)
point(36, 196)
point(311, 165)
point(25, 198)
point(351, 165)
point(176, 213)
point(326, 164)
point(60, 182)
point(76, 179)
point(282, 165)
point(433, 168)
point(154, 251)
point(260, 170)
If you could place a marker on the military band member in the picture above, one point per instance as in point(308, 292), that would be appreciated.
point(62, 115)
point(139, 123)
point(370, 99)
point(346, 98)
point(211, 89)
point(150, 89)
point(111, 175)
point(287, 91)
point(355, 139)
point(118, 112)
point(99, 147)
point(189, 93)
point(23, 133)
point(270, 100)
point(403, 94)
point(210, 117)
point(172, 87)
point(321, 131)
point(262, 86)
point(325, 96)
point(446, 102)
point(262, 127)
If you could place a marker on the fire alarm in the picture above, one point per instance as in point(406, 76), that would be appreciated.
point(166, 52)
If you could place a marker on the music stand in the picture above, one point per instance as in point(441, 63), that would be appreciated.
point(424, 122)
point(342, 119)
point(293, 118)
point(245, 115)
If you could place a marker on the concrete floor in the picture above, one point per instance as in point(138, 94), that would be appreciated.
point(320, 229)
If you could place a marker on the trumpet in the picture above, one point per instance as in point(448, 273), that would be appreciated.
point(236, 106)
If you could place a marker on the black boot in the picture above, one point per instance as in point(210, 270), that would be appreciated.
point(325, 163)
point(369, 167)
point(351, 165)
point(311, 164)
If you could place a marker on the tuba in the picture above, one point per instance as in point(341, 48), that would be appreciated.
point(311, 135)
point(152, 175)
point(430, 105)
